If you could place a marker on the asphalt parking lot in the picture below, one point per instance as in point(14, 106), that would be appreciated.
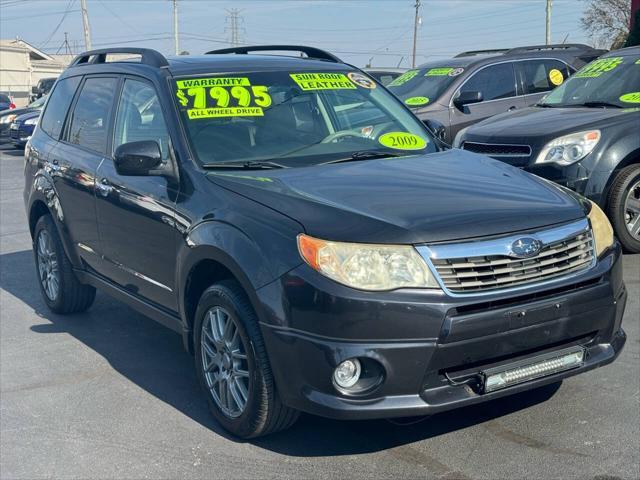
point(111, 394)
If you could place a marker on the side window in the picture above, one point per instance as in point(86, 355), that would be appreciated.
point(543, 75)
point(495, 81)
point(59, 101)
point(90, 121)
point(140, 117)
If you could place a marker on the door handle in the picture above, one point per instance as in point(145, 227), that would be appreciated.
point(512, 108)
point(104, 187)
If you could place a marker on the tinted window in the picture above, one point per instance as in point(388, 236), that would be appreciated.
point(140, 116)
point(495, 81)
point(90, 121)
point(56, 111)
point(543, 75)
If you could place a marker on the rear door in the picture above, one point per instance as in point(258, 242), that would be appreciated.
point(540, 76)
point(74, 160)
point(500, 93)
point(136, 213)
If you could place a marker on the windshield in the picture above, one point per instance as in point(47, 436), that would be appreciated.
point(294, 119)
point(38, 103)
point(4, 98)
point(610, 81)
point(420, 87)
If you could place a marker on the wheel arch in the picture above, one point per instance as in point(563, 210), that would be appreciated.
point(631, 158)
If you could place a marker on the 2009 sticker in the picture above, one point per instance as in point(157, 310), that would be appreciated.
point(598, 67)
point(222, 97)
point(416, 101)
point(404, 78)
point(556, 77)
point(633, 97)
point(322, 81)
point(402, 141)
point(361, 80)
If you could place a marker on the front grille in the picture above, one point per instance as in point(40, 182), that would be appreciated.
point(498, 150)
point(480, 273)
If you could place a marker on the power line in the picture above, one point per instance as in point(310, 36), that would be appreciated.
point(55, 30)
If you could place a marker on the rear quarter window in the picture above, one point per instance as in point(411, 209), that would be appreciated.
point(56, 110)
point(544, 74)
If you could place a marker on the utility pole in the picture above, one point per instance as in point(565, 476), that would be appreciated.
point(85, 25)
point(417, 21)
point(176, 41)
point(234, 19)
point(548, 29)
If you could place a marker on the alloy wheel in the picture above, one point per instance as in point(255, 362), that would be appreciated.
point(48, 265)
point(632, 210)
point(224, 362)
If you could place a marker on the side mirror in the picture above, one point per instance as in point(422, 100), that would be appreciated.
point(138, 158)
point(467, 97)
point(436, 129)
point(35, 90)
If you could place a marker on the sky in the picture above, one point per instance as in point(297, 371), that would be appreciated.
point(358, 31)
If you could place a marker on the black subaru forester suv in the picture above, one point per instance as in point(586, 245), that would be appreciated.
point(311, 241)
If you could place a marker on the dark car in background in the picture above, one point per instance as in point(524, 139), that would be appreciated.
point(6, 102)
point(22, 128)
point(309, 261)
point(8, 116)
point(43, 87)
point(584, 135)
point(384, 75)
point(479, 84)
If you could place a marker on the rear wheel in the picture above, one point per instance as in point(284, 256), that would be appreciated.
point(61, 290)
point(233, 367)
point(624, 207)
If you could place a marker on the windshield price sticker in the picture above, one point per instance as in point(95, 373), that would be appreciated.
point(598, 67)
point(322, 81)
point(402, 141)
point(556, 77)
point(633, 97)
point(222, 97)
point(404, 78)
point(440, 72)
point(416, 101)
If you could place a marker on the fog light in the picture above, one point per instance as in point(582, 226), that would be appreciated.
point(347, 373)
point(534, 368)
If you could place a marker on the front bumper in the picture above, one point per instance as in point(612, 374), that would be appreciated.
point(424, 344)
point(20, 134)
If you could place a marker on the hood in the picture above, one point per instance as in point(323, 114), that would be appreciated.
point(26, 116)
point(17, 111)
point(444, 196)
point(535, 122)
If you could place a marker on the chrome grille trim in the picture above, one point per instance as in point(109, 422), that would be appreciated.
point(498, 150)
point(486, 267)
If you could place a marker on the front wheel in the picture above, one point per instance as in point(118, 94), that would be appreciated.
point(624, 207)
point(232, 365)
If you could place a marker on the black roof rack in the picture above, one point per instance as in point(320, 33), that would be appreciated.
point(311, 52)
point(530, 48)
point(147, 56)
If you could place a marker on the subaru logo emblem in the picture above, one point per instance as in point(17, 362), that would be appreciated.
point(525, 247)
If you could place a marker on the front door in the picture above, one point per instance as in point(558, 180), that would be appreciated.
point(136, 213)
point(500, 94)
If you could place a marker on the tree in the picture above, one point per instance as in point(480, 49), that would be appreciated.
point(634, 34)
point(607, 21)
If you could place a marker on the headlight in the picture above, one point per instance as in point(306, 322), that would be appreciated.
point(569, 148)
point(601, 228)
point(31, 121)
point(7, 118)
point(366, 266)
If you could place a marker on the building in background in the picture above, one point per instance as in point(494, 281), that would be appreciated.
point(22, 65)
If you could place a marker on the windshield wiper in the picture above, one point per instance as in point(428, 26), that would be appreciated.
point(249, 165)
point(365, 155)
point(599, 104)
point(545, 105)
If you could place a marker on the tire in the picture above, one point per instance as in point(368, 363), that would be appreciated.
point(627, 180)
point(70, 296)
point(263, 412)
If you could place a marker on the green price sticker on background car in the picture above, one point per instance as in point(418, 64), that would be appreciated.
point(599, 67)
point(633, 97)
point(404, 78)
point(402, 141)
point(416, 101)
